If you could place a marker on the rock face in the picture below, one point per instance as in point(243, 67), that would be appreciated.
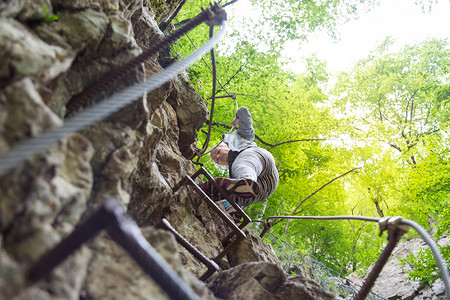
point(136, 155)
point(392, 282)
point(264, 280)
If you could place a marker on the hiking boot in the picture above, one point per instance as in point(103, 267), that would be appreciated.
point(245, 188)
point(210, 191)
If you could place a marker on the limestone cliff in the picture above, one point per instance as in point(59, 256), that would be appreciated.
point(136, 156)
point(393, 282)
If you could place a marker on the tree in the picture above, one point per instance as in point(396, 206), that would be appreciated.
point(388, 120)
point(396, 94)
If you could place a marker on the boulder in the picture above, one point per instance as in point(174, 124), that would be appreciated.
point(264, 280)
point(25, 54)
point(252, 249)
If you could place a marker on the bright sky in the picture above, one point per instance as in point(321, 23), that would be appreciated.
point(401, 19)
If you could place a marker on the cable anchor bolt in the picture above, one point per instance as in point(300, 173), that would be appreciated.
point(216, 15)
point(267, 225)
point(392, 224)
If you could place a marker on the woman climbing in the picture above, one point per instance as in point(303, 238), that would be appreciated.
point(253, 175)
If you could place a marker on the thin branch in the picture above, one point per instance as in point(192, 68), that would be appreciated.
point(379, 107)
point(269, 144)
point(395, 147)
point(315, 192)
point(287, 142)
point(406, 110)
point(412, 106)
point(164, 25)
point(231, 78)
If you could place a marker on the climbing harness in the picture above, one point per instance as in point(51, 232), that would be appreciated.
point(24, 150)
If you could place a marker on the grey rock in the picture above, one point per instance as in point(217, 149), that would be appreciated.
point(126, 279)
point(10, 8)
point(25, 54)
point(117, 37)
point(26, 113)
point(34, 10)
point(11, 276)
point(252, 249)
point(77, 4)
point(51, 201)
point(264, 280)
point(191, 113)
point(26, 10)
point(77, 31)
point(393, 282)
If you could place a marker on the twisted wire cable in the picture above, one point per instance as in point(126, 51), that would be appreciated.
point(422, 232)
point(437, 255)
point(214, 73)
point(120, 72)
point(360, 218)
point(215, 79)
point(22, 151)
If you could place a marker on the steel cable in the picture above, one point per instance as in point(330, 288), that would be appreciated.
point(120, 72)
point(22, 151)
point(213, 71)
point(434, 249)
point(360, 218)
point(213, 101)
point(425, 236)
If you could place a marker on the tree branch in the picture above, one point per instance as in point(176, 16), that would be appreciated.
point(286, 142)
point(231, 78)
point(412, 106)
point(315, 192)
point(395, 147)
point(269, 144)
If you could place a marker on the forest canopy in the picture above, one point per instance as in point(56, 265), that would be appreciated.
point(373, 142)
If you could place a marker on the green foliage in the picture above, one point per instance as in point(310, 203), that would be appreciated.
point(297, 19)
point(48, 17)
point(389, 117)
point(423, 265)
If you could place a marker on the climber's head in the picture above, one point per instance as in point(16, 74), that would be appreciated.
point(220, 154)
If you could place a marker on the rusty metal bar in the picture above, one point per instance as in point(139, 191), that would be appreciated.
point(124, 231)
point(225, 96)
point(222, 192)
point(267, 225)
point(393, 238)
point(235, 230)
point(247, 219)
point(216, 208)
point(229, 247)
point(211, 265)
point(179, 184)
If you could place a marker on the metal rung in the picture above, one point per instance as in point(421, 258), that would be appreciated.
point(236, 231)
point(210, 264)
point(125, 232)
